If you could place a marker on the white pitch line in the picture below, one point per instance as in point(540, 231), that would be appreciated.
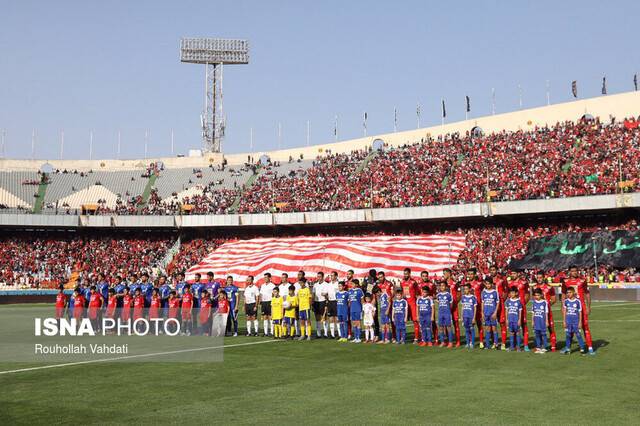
point(616, 320)
point(614, 305)
point(92, 361)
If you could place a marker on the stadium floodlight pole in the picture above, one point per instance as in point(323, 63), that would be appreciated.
point(33, 144)
point(119, 144)
point(520, 95)
point(279, 135)
point(4, 136)
point(493, 101)
point(91, 145)
point(146, 143)
point(418, 114)
point(548, 97)
point(335, 128)
point(213, 53)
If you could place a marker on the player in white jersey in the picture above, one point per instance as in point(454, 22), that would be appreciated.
point(266, 291)
point(320, 304)
point(332, 304)
point(251, 299)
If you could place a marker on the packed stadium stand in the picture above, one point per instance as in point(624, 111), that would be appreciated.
point(467, 170)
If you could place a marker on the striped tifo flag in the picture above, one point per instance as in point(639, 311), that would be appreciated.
point(390, 254)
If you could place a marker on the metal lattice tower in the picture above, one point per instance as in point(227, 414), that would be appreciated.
point(213, 54)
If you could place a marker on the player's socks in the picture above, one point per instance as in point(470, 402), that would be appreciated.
point(544, 340)
point(255, 325)
point(511, 342)
point(580, 341)
point(495, 337)
point(503, 331)
point(324, 328)
point(318, 329)
point(481, 334)
point(519, 340)
point(332, 328)
point(248, 327)
point(457, 330)
point(308, 328)
point(265, 327)
point(487, 339)
point(587, 337)
point(525, 331)
point(441, 337)
point(450, 335)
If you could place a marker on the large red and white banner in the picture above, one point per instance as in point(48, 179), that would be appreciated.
point(390, 254)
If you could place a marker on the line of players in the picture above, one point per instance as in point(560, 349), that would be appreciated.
point(344, 309)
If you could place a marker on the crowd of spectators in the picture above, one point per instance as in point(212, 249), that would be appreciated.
point(34, 261)
point(30, 261)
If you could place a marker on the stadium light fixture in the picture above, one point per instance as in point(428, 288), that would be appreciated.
point(213, 53)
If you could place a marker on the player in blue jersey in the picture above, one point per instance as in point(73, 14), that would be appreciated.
point(469, 304)
point(426, 314)
point(490, 303)
point(213, 287)
point(146, 288)
point(231, 290)
point(196, 289)
point(540, 319)
point(133, 284)
point(384, 302)
point(400, 309)
point(513, 307)
point(86, 293)
point(572, 312)
point(103, 288)
point(342, 307)
point(180, 283)
point(445, 301)
point(355, 312)
point(164, 289)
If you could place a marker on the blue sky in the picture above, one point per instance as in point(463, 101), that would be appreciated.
point(109, 66)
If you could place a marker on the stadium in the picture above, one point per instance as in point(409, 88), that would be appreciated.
point(477, 269)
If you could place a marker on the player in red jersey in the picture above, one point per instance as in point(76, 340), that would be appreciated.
point(154, 304)
point(500, 284)
point(138, 305)
point(582, 290)
point(61, 302)
point(112, 304)
point(426, 282)
point(173, 304)
point(472, 279)
point(95, 304)
point(78, 304)
point(454, 289)
point(187, 307)
point(515, 280)
point(127, 301)
point(410, 293)
point(204, 316)
point(549, 294)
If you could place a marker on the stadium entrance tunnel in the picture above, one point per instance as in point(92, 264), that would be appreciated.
point(378, 145)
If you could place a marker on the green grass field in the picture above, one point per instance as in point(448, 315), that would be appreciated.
point(325, 382)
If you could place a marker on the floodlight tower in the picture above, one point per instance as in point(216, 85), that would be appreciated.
point(213, 53)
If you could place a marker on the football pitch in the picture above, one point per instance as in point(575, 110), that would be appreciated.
point(326, 382)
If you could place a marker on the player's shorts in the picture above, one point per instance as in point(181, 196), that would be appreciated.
point(59, 312)
point(573, 328)
point(425, 323)
point(444, 320)
point(343, 317)
point(513, 327)
point(539, 329)
point(288, 321)
point(250, 309)
point(318, 308)
point(488, 319)
point(186, 315)
point(399, 322)
point(265, 308)
point(332, 308)
point(368, 322)
point(355, 315)
point(277, 321)
point(384, 319)
point(467, 322)
point(304, 314)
